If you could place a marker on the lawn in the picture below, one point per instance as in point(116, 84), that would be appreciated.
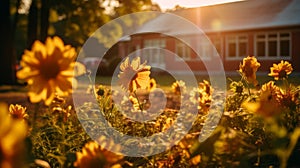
point(165, 81)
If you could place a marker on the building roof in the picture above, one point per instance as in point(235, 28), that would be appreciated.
point(241, 15)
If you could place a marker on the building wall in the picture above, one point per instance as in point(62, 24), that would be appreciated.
point(231, 64)
point(296, 50)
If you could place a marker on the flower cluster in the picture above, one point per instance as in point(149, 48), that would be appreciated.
point(258, 128)
point(270, 100)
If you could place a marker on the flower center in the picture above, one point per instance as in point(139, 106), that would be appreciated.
point(239, 89)
point(100, 92)
point(282, 74)
point(49, 69)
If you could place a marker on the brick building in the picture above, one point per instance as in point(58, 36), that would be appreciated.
point(268, 29)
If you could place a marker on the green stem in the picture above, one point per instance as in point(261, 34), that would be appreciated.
point(248, 87)
point(91, 83)
point(286, 155)
point(258, 156)
point(35, 114)
point(140, 105)
point(286, 85)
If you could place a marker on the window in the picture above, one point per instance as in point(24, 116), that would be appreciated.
point(217, 42)
point(273, 45)
point(208, 48)
point(182, 49)
point(236, 46)
point(154, 54)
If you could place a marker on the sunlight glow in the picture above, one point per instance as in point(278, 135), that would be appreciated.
point(169, 4)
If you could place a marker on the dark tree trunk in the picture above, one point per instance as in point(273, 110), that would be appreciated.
point(32, 24)
point(7, 61)
point(44, 19)
point(15, 21)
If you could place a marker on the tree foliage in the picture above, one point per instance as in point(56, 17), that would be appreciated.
point(72, 20)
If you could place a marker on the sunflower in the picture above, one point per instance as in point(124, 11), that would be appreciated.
point(48, 69)
point(18, 112)
point(281, 70)
point(134, 75)
point(269, 101)
point(178, 87)
point(248, 69)
point(94, 155)
point(12, 135)
point(271, 89)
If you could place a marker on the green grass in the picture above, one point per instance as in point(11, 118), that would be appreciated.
point(165, 81)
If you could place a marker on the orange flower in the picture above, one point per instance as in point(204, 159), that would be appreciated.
point(248, 69)
point(269, 102)
point(94, 155)
point(281, 70)
point(18, 112)
point(134, 75)
point(271, 89)
point(202, 95)
point(48, 69)
point(205, 87)
point(179, 87)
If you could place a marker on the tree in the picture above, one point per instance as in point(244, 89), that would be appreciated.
point(32, 27)
point(75, 21)
point(7, 58)
point(44, 23)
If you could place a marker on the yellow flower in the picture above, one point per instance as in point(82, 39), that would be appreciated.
point(202, 95)
point(281, 70)
point(237, 87)
point(94, 155)
point(269, 102)
point(135, 102)
point(18, 112)
point(59, 108)
point(195, 160)
point(205, 95)
point(152, 84)
point(205, 87)
point(271, 89)
point(135, 75)
point(48, 69)
point(102, 92)
point(248, 69)
point(12, 135)
point(178, 87)
point(290, 100)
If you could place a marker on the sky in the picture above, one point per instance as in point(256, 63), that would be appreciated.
point(169, 4)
